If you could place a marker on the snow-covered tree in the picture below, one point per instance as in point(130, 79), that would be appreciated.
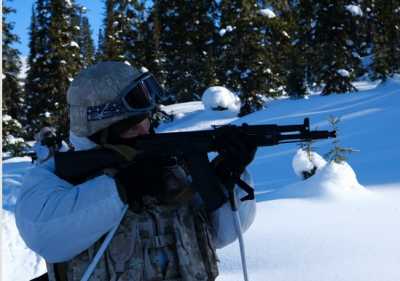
point(335, 63)
point(386, 37)
point(54, 60)
point(246, 60)
point(84, 39)
point(111, 46)
point(122, 39)
point(36, 83)
point(151, 31)
point(100, 46)
point(133, 32)
point(297, 50)
point(186, 38)
point(12, 141)
point(65, 61)
point(12, 91)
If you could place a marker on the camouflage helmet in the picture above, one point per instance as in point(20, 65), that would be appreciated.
point(97, 91)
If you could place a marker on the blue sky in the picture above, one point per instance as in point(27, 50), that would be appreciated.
point(22, 18)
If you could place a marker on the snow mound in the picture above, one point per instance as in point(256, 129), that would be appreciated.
point(220, 98)
point(333, 182)
point(338, 179)
point(301, 162)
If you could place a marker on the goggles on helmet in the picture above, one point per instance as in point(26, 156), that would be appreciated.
point(138, 98)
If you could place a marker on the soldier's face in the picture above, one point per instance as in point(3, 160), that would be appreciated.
point(142, 128)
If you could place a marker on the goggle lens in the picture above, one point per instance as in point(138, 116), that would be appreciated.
point(143, 94)
point(139, 97)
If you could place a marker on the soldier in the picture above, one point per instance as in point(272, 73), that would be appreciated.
point(166, 234)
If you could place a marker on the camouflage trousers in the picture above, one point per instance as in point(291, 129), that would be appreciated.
point(179, 235)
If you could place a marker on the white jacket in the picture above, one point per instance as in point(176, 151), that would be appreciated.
point(59, 220)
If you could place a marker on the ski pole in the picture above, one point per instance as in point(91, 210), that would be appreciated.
point(238, 228)
point(103, 247)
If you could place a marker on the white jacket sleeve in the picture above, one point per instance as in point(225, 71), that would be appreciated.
point(222, 220)
point(58, 220)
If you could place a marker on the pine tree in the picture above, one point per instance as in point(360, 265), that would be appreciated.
point(12, 92)
point(335, 64)
point(386, 38)
point(122, 38)
point(12, 131)
point(135, 43)
point(65, 61)
point(87, 45)
point(202, 34)
point(36, 84)
point(186, 36)
point(245, 53)
point(151, 30)
point(53, 61)
point(100, 46)
point(297, 26)
point(338, 153)
point(84, 39)
point(13, 143)
point(112, 44)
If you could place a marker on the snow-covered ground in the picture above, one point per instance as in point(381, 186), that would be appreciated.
point(341, 224)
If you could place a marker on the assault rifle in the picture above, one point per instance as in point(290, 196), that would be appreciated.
point(193, 147)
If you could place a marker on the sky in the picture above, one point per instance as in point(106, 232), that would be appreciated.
point(22, 19)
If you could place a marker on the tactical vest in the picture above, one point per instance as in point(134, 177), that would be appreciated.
point(180, 234)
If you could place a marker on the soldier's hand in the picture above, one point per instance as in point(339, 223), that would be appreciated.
point(235, 153)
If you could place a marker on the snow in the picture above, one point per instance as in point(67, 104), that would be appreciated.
point(268, 13)
point(332, 182)
point(302, 162)
point(223, 31)
point(340, 224)
point(13, 140)
point(245, 74)
point(355, 10)
point(68, 3)
point(18, 261)
point(285, 34)
point(74, 44)
point(343, 73)
point(216, 98)
point(6, 118)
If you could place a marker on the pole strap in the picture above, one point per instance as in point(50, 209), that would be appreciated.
point(103, 247)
